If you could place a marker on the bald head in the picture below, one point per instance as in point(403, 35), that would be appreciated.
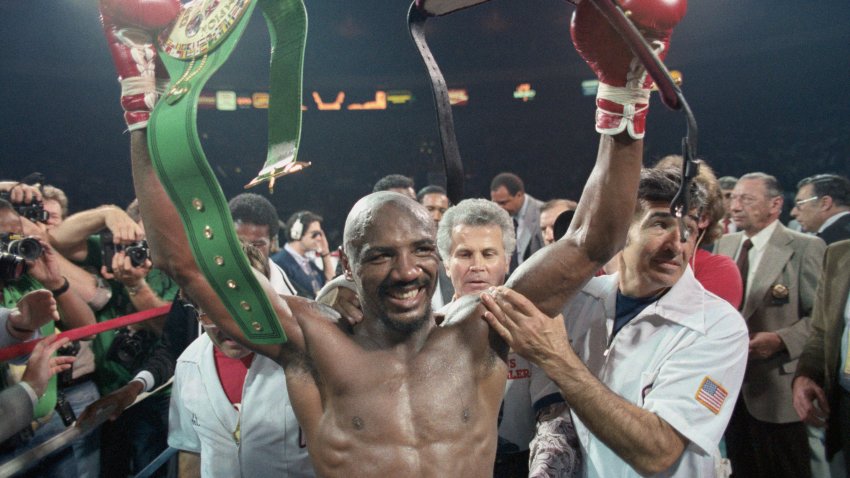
point(382, 204)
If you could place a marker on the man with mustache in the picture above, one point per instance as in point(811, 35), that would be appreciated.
point(653, 362)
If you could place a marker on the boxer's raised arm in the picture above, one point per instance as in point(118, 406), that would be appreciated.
point(554, 274)
point(170, 252)
point(598, 230)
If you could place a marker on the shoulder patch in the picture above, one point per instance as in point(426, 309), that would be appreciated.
point(711, 394)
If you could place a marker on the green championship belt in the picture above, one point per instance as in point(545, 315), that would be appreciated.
point(199, 41)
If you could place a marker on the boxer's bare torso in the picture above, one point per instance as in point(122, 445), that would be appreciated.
point(424, 408)
point(395, 395)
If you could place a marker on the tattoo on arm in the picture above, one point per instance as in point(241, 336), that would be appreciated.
point(554, 451)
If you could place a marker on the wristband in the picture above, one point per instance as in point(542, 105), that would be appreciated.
point(133, 290)
point(67, 285)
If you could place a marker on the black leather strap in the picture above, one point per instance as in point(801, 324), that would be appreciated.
point(451, 154)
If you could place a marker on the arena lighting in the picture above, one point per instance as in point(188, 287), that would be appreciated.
point(243, 102)
point(399, 97)
point(677, 79)
point(524, 92)
point(589, 87)
point(379, 103)
point(333, 106)
point(458, 97)
point(260, 100)
point(225, 100)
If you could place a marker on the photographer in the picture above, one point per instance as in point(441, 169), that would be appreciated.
point(110, 242)
point(40, 269)
point(18, 401)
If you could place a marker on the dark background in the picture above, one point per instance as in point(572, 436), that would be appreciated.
point(767, 81)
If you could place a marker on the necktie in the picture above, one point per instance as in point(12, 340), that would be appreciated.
point(726, 222)
point(515, 255)
point(744, 265)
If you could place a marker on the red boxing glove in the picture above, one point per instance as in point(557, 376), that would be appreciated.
point(128, 26)
point(622, 100)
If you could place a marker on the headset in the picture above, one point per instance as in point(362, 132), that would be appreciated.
point(297, 228)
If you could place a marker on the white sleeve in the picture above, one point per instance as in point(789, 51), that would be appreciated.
point(543, 390)
point(181, 430)
point(696, 388)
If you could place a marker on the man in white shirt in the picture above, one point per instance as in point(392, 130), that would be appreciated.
point(653, 362)
point(222, 399)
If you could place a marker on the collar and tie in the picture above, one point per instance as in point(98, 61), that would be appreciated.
point(743, 263)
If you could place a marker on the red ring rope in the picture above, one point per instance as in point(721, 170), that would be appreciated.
point(24, 348)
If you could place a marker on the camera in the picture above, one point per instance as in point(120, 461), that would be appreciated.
point(33, 211)
point(15, 251)
point(138, 252)
point(12, 267)
point(129, 348)
point(27, 247)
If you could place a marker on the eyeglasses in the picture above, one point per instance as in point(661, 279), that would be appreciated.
point(800, 202)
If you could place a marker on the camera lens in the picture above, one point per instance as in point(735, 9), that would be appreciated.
point(11, 266)
point(137, 252)
point(28, 248)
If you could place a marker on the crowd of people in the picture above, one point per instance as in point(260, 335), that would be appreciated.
point(673, 308)
point(502, 336)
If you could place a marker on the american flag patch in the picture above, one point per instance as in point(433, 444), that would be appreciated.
point(711, 394)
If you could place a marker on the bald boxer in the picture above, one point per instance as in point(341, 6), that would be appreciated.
point(398, 395)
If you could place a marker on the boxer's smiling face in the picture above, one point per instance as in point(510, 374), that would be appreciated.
point(397, 270)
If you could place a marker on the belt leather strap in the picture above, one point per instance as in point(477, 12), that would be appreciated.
point(671, 94)
point(198, 44)
point(416, 18)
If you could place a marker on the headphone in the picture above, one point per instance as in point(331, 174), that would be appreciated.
point(297, 228)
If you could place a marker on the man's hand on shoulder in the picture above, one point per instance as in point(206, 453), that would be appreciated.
point(527, 330)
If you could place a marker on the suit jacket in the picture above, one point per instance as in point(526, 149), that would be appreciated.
point(793, 260)
point(16, 410)
point(444, 285)
point(837, 231)
point(299, 279)
point(821, 358)
point(529, 238)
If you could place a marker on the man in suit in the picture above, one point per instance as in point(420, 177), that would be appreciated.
point(508, 191)
point(822, 382)
point(305, 242)
point(822, 206)
point(780, 269)
point(436, 201)
point(727, 184)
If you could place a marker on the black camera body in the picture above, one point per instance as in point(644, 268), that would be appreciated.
point(33, 211)
point(130, 347)
point(138, 252)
